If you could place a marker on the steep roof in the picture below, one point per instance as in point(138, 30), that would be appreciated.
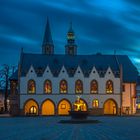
point(86, 63)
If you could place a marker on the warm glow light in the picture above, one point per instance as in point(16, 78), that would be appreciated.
point(138, 106)
point(63, 86)
point(95, 103)
point(79, 105)
point(31, 86)
point(94, 87)
point(48, 86)
point(78, 86)
point(109, 87)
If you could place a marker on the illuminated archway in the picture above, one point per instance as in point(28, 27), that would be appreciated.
point(110, 107)
point(48, 107)
point(31, 107)
point(64, 107)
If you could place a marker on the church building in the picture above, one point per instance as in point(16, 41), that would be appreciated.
point(49, 83)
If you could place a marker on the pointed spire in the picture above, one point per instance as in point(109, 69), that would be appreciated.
point(47, 36)
point(70, 47)
point(70, 34)
point(70, 29)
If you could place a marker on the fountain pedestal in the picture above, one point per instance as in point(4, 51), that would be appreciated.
point(81, 115)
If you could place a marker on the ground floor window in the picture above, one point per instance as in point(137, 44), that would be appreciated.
point(95, 103)
point(33, 110)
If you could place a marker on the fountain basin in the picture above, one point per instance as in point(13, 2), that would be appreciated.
point(79, 114)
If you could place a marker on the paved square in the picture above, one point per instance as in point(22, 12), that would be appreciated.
point(49, 128)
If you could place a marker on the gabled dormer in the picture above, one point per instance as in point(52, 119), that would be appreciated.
point(47, 73)
point(63, 72)
point(109, 73)
point(94, 73)
point(31, 72)
point(78, 73)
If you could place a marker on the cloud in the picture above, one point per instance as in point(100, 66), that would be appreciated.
point(99, 26)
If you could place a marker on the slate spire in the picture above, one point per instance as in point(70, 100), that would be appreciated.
point(47, 46)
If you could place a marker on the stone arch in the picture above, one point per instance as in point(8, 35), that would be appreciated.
point(64, 106)
point(110, 107)
point(31, 107)
point(48, 107)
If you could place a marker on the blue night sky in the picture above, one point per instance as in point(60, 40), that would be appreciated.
point(99, 25)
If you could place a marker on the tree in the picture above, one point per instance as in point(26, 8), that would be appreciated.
point(6, 72)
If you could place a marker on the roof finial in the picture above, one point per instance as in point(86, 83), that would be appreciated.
point(70, 29)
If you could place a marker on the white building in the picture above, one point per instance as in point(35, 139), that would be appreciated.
point(48, 83)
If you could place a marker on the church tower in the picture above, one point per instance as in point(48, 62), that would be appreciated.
point(47, 46)
point(71, 47)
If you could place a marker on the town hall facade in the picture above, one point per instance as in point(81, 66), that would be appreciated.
point(49, 83)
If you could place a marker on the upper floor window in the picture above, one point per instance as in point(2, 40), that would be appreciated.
point(109, 86)
point(78, 86)
point(63, 86)
point(48, 86)
point(95, 103)
point(31, 86)
point(94, 86)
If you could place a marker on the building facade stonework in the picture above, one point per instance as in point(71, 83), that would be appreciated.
point(48, 83)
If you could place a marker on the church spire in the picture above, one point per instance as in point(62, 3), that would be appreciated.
point(71, 47)
point(47, 46)
point(70, 34)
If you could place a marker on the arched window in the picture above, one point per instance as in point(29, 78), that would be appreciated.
point(95, 103)
point(63, 86)
point(94, 87)
point(31, 86)
point(109, 86)
point(48, 86)
point(78, 86)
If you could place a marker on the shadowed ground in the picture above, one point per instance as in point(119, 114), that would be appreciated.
point(52, 128)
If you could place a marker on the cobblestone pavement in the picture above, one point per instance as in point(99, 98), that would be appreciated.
point(49, 128)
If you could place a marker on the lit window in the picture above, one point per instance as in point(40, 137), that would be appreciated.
point(31, 86)
point(138, 106)
point(48, 86)
point(63, 86)
point(94, 86)
point(33, 110)
point(109, 86)
point(78, 86)
point(95, 103)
